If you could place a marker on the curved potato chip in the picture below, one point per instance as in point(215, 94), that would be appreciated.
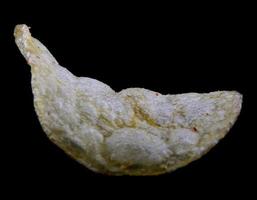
point(133, 132)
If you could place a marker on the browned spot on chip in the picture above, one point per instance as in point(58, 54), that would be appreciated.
point(194, 129)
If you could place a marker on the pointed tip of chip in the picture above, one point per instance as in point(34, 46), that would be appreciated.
point(21, 31)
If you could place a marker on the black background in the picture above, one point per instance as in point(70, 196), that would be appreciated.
point(162, 50)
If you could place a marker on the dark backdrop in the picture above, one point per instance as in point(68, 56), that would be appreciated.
point(164, 51)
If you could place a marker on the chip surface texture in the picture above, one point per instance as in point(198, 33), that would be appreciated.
point(132, 132)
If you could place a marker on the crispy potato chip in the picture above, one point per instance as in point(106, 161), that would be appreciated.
point(132, 132)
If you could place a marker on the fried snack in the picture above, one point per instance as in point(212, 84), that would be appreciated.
point(132, 132)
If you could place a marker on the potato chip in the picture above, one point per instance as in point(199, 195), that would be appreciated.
point(132, 132)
